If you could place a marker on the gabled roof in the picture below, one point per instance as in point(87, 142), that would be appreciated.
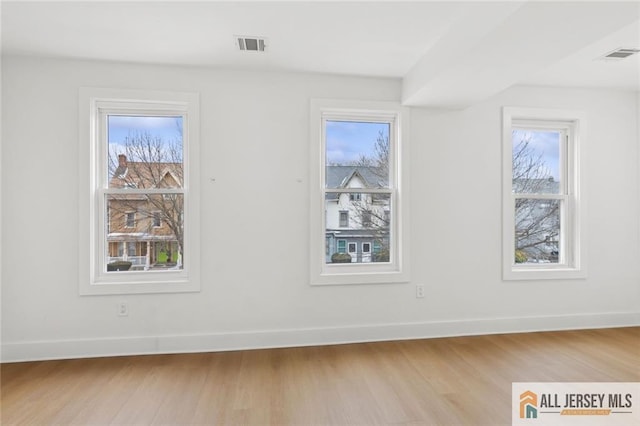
point(340, 176)
point(146, 175)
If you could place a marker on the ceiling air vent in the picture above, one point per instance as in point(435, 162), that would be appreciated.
point(251, 44)
point(620, 54)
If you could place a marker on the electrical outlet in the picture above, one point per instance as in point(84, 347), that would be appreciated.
point(123, 309)
point(419, 291)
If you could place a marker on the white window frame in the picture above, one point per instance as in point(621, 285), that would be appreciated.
point(94, 105)
point(572, 263)
point(397, 269)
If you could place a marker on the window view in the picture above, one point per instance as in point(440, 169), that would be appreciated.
point(538, 186)
point(144, 199)
point(357, 191)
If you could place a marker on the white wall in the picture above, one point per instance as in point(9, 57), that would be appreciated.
point(254, 133)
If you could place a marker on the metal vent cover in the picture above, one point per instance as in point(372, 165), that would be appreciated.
point(620, 53)
point(251, 43)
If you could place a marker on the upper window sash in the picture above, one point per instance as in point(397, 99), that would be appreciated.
point(107, 108)
point(566, 157)
point(379, 117)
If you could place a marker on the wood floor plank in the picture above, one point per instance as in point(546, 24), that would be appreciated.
point(442, 381)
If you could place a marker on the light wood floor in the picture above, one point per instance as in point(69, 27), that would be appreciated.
point(448, 381)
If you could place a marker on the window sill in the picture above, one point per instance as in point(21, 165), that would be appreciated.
point(339, 277)
point(139, 287)
point(543, 273)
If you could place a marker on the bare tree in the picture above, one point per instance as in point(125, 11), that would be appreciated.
point(379, 160)
point(372, 210)
point(537, 221)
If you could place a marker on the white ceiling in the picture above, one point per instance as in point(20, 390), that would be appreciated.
point(448, 54)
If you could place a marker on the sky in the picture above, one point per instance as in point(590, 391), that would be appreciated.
point(347, 140)
point(545, 143)
point(168, 128)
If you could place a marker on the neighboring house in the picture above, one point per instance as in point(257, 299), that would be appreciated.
point(357, 223)
point(145, 228)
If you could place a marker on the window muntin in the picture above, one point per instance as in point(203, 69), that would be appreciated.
point(161, 257)
point(543, 200)
point(333, 183)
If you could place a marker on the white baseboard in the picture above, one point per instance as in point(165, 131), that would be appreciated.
point(261, 339)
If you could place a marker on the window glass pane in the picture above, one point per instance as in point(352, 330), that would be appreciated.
point(357, 154)
point(536, 161)
point(144, 152)
point(130, 220)
point(537, 231)
point(144, 246)
point(369, 222)
point(344, 220)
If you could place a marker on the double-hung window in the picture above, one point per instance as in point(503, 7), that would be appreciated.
point(543, 201)
point(139, 175)
point(358, 192)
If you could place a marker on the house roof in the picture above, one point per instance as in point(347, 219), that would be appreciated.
point(340, 176)
point(142, 175)
point(536, 186)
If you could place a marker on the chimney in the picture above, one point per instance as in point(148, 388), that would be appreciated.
point(122, 161)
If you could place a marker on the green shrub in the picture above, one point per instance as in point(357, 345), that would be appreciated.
point(167, 257)
point(341, 258)
point(381, 256)
point(521, 256)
